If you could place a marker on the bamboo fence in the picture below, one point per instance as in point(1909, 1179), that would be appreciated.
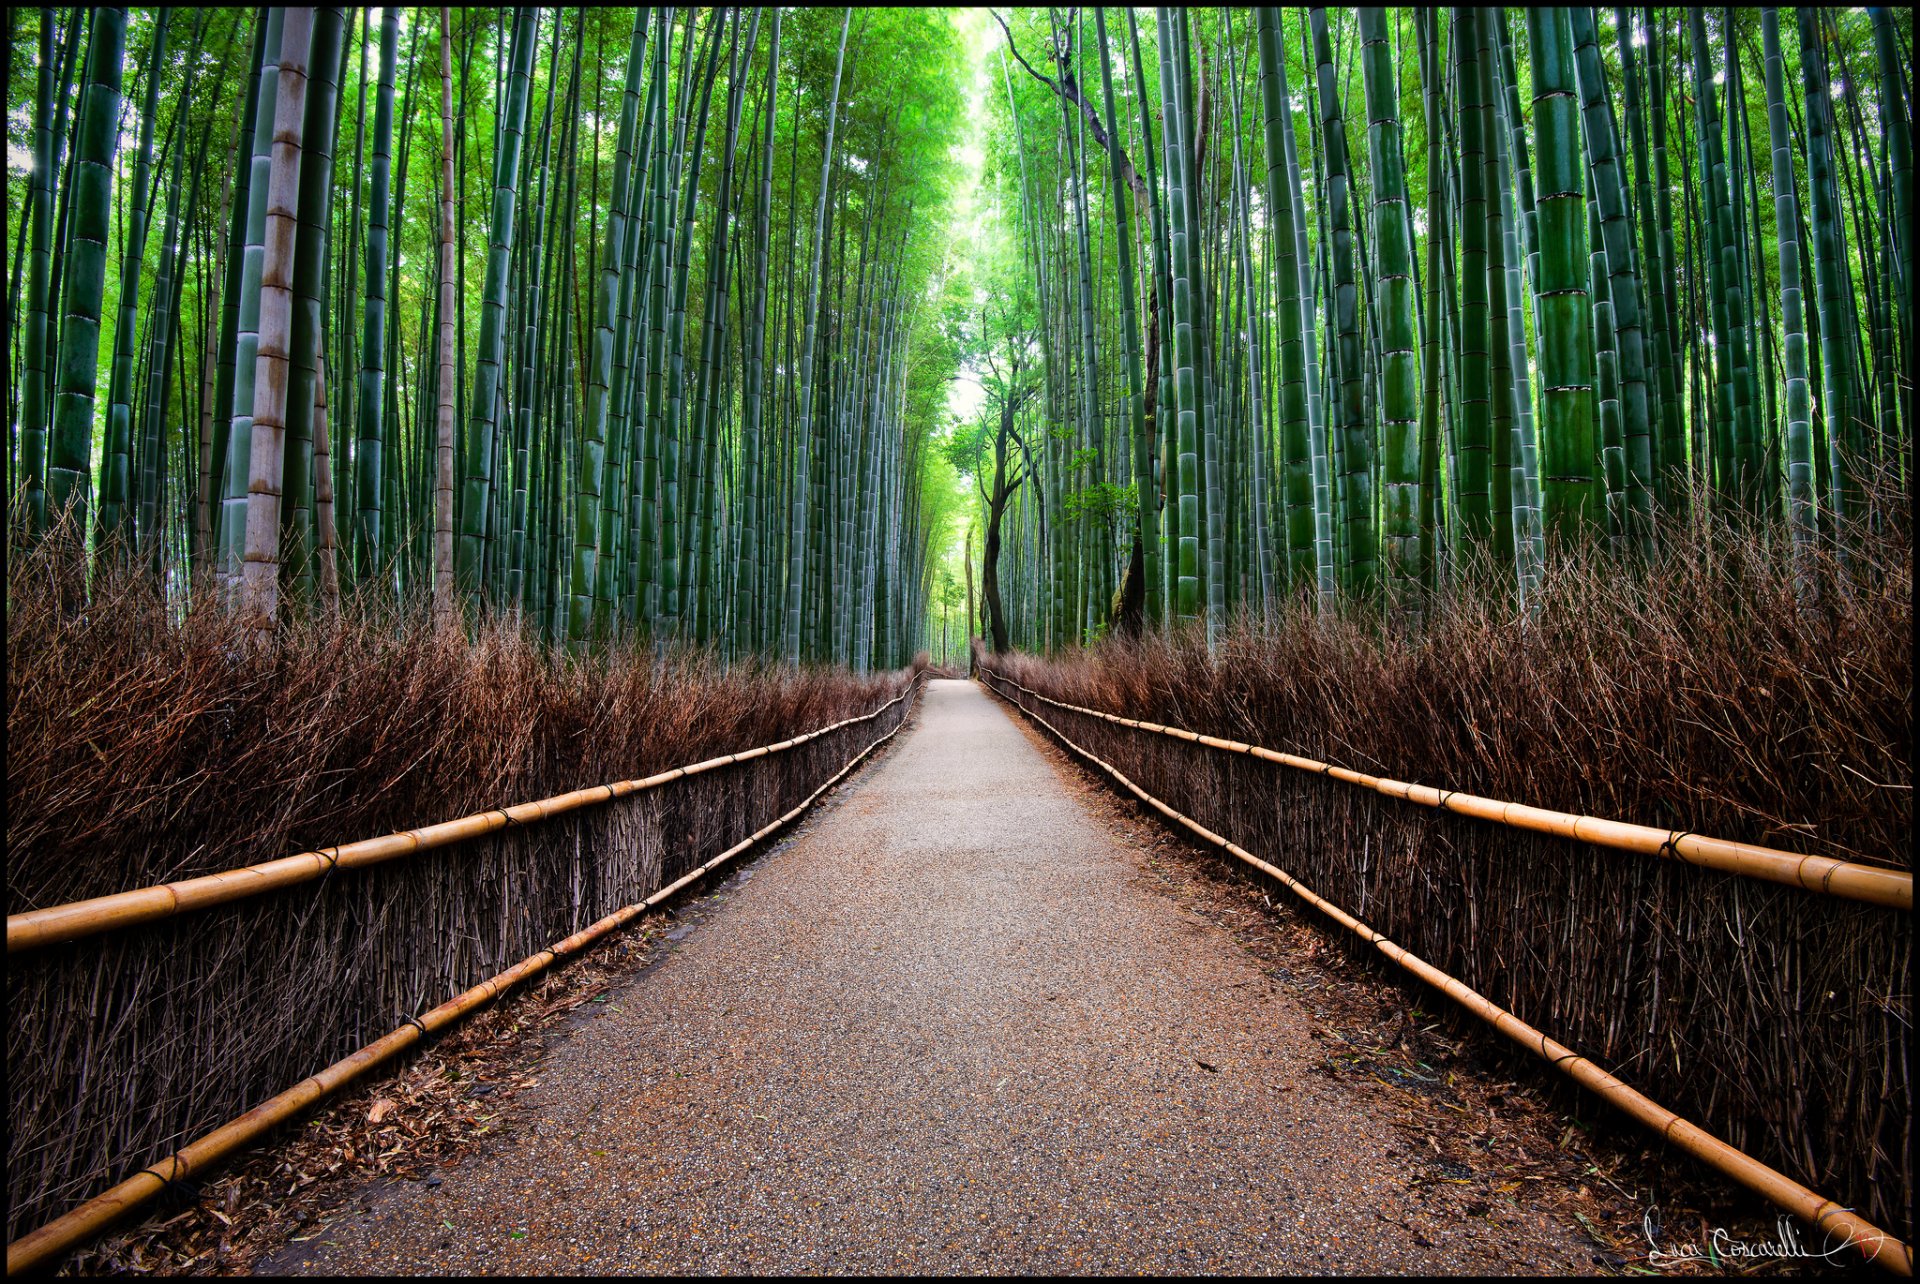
point(1871, 884)
point(122, 1046)
point(80, 1224)
point(1775, 1016)
point(33, 929)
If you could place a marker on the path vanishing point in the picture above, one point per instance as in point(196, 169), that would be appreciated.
point(948, 1027)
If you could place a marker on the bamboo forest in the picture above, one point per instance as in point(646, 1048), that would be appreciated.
point(1422, 493)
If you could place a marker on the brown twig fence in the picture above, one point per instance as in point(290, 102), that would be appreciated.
point(33, 929)
point(1777, 1017)
point(123, 1048)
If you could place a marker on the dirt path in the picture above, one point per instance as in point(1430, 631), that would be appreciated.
point(949, 1028)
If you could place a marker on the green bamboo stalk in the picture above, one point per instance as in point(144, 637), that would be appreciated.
point(1348, 418)
point(1839, 404)
point(1501, 453)
point(160, 332)
point(708, 395)
point(1186, 393)
point(1799, 428)
point(1473, 433)
point(476, 498)
point(1428, 462)
point(1613, 451)
point(1524, 484)
point(65, 145)
point(343, 325)
point(1257, 523)
point(1895, 116)
point(677, 514)
point(660, 240)
point(1747, 308)
point(593, 446)
point(749, 600)
point(1394, 305)
point(1518, 191)
point(298, 540)
point(1727, 429)
point(531, 362)
point(1623, 286)
point(369, 459)
point(69, 457)
point(798, 546)
point(230, 535)
point(1671, 449)
point(116, 513)
point(445, 605)
point(30, 492)
point(1659, 383)
point(1295, 443)
point(1567, 444)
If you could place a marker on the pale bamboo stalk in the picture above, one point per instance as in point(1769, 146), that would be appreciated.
point(260, 574)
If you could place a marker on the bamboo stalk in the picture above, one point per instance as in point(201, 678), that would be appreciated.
point(36, 928)
point(1875, 1245)
point(1891, 888)
point(80, 1224)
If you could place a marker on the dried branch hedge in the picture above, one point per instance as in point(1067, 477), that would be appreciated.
point(1697, 693)
point(143, 747)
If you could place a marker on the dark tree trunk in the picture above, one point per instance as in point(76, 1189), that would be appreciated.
point(996, 510)
point(1129, 605)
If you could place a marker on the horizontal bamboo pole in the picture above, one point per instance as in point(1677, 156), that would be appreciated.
point(37, 1248)
point(1892, 888)
point(36, 928)
point(1776, 1187)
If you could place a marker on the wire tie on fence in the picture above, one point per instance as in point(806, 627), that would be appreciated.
point(332, 856)
point(170, 1182)
point(1826, 879)
point(414, 1021)
point(1671, 847)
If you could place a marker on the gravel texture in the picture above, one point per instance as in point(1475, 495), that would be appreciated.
point(948, 1028)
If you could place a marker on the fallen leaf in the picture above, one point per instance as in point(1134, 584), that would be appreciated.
point(381, 1109)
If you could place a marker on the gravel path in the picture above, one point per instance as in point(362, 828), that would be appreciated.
point(947, 1028)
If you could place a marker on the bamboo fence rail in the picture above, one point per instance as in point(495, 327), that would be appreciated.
point(40, 1246)
point(1891, 888)
point(33, 929)
point(1782, 1191)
